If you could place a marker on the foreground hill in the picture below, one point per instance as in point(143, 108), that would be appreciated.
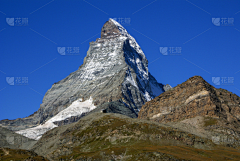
point(197, 107)
point(100, 136)
point(7, 154)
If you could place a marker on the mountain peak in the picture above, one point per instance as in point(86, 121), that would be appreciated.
point(110, 30)
point(196, 78)
point(114, 75)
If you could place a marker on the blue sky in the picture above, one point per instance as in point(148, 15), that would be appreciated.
point(194, 44)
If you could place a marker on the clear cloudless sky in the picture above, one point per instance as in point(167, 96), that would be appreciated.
point(207, 49)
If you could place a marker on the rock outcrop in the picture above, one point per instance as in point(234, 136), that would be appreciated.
point(167, 87)
point(218, 110)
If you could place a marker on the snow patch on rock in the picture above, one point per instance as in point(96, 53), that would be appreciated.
point(76, 108)
point(129, 79)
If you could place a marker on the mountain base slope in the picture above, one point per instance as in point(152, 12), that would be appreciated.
point(7, 154)
point(105, 136)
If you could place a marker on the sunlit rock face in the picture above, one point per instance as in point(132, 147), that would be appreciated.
point(199, 108)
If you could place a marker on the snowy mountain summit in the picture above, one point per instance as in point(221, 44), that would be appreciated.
point(113, 76)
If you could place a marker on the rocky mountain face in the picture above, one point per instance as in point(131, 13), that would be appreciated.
point(114, 70)
point(197, 107)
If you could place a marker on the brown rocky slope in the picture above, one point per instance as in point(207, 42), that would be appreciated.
point(197, 107)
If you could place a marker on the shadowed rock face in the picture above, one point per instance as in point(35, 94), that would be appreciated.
point(116, 107)
point(69, 120)
point(114, 69)
point(218, 108)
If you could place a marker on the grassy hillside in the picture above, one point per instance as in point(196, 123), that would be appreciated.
point(117, 137)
